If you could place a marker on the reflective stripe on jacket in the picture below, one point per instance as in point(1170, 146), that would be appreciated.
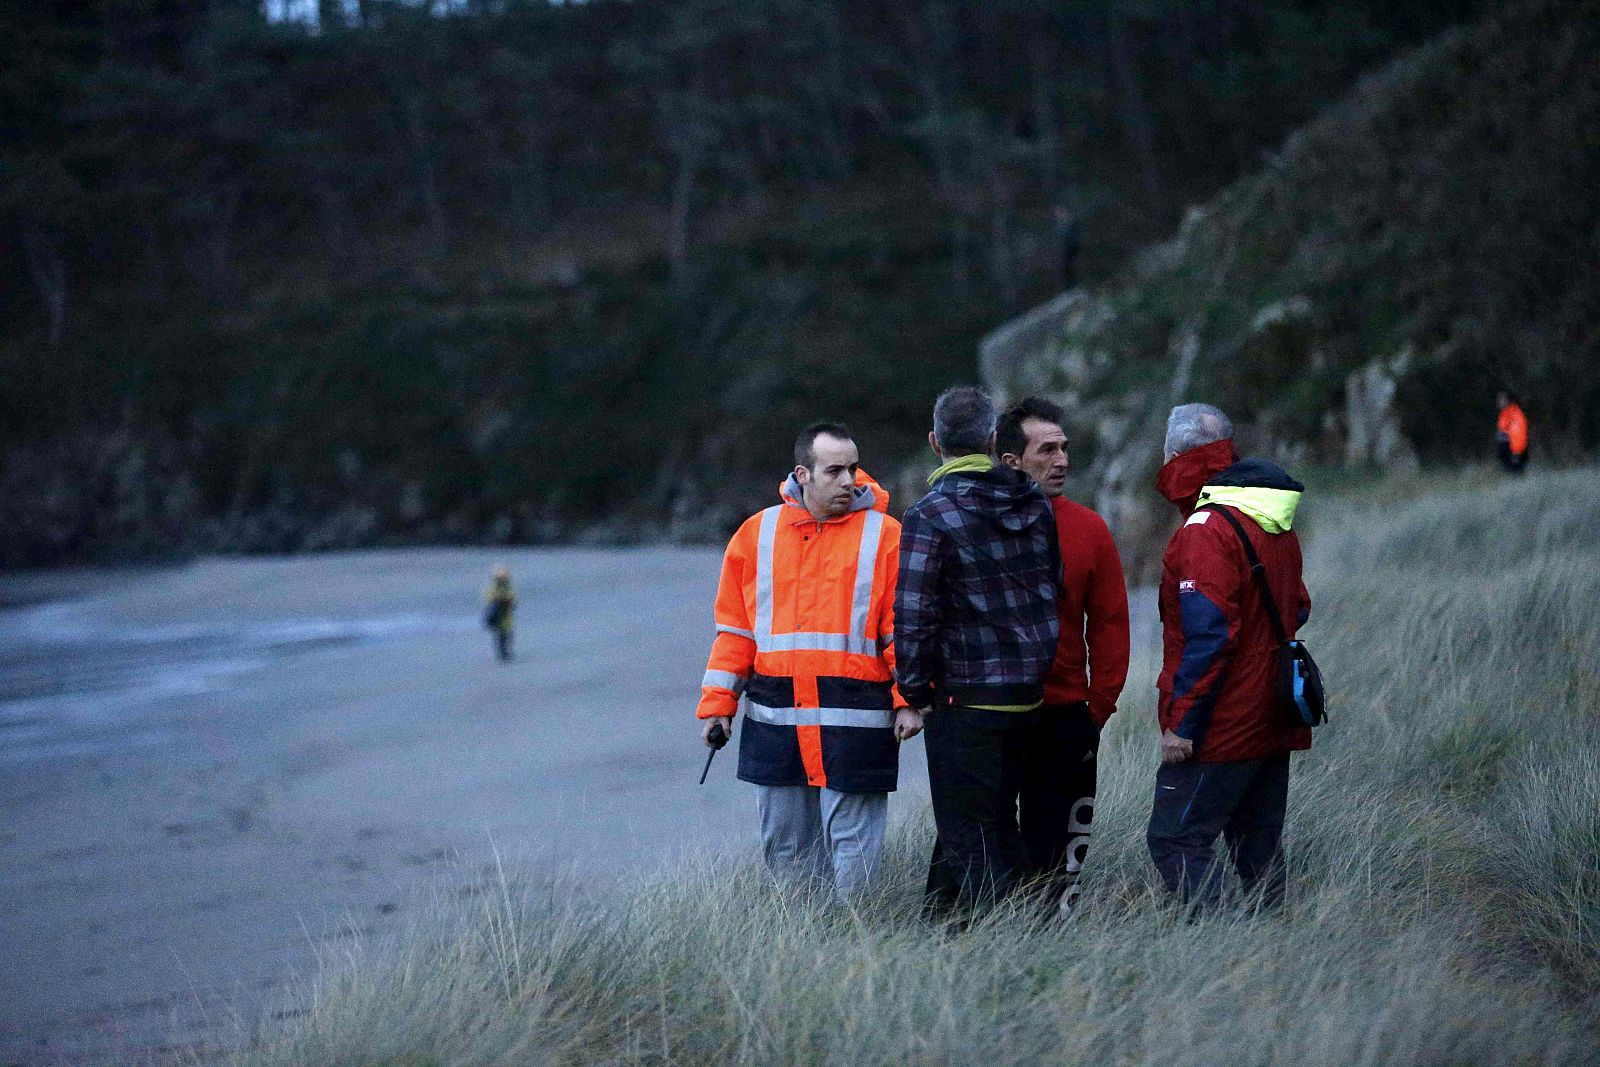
point(805, 635)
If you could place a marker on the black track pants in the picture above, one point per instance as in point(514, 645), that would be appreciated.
point(1243, 801)
point(975, 771)
point(1057, 797)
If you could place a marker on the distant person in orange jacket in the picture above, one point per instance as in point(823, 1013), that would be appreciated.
point(1091, 664)
point(1511, 433)
point(805, 638)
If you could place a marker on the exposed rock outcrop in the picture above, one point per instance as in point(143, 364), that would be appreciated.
point(1372, 433)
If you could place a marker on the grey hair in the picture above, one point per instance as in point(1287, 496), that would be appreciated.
point(963, 421)
point(1192, 425)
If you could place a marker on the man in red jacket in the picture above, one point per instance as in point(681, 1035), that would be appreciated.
point(1224, 749)
point(1091, 663)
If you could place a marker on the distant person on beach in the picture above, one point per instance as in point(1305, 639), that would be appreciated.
point(1224, 745)
point(976, 627)
point(805, 634)
point(1511, 433)
point(502, 605)
point(1091, 660)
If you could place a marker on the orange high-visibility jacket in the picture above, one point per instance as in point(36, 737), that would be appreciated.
point(805, 635)
point(1513, 426)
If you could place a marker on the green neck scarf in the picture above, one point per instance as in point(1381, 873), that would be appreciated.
point(962, 465)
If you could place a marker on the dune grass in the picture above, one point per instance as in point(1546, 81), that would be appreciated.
point(1444, 852)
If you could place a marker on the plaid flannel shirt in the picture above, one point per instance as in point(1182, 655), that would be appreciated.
point(976, 620)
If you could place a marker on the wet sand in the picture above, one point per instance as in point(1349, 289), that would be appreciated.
point(209, 772)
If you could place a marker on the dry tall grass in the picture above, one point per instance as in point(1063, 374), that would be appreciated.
point(1445, 864)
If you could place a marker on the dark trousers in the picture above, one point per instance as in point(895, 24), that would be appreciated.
point(976, 762)
point(1242, 800)
point(1057, 797)
point(1513, 462)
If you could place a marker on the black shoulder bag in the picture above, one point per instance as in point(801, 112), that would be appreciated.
point(1297, 683)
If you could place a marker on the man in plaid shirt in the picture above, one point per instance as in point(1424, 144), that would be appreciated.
point(975, 634)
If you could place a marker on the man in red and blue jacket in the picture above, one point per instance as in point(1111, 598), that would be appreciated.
point(1224, 746)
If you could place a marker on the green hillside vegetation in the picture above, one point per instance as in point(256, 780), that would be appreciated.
point(527, 271)
point(1444, 907)
point(1437, 226)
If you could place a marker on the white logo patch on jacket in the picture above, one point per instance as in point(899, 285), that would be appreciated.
point(1186, 586)
point(1198, 518)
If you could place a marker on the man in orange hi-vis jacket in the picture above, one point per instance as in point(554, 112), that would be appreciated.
point(805, 635)
point(1511, 432)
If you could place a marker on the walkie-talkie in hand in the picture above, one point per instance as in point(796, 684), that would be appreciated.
point(718, 737)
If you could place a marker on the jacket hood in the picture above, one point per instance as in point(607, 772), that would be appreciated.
point(1000, 494)
point(1260, 489)
point(880, 495)
point(1181, 480)
point(868, 494)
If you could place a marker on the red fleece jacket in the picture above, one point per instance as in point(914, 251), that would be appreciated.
point(1092, 655)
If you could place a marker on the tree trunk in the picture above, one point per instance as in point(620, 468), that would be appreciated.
point(1132, 107)
point(1002, 262)
point(689, 155)
point(1041, 72)
point(155, 285)
point(330, 15)
point(960, 268)
point(426, 173)
point(534, 196)
point(831, 95)
point(265, 434)
point(220, 241)
point(47, 265)
point(331, 219)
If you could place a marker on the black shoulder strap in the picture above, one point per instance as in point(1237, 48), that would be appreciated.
point(1257, 569)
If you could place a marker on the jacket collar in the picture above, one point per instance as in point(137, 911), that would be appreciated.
point(1181, 480)
point(868, 496)
point(974, 464)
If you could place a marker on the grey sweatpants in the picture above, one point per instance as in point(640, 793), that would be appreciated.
point(812, 835)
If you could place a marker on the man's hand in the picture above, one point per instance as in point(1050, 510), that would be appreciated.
point(907, 724)
point(705, 730)
point(1175, 749)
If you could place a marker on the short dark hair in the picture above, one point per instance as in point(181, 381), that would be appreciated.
point(1008, 431)
point(805, 452)
point(963, 419)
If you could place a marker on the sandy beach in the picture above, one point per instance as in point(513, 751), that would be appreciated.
point(211, 772)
